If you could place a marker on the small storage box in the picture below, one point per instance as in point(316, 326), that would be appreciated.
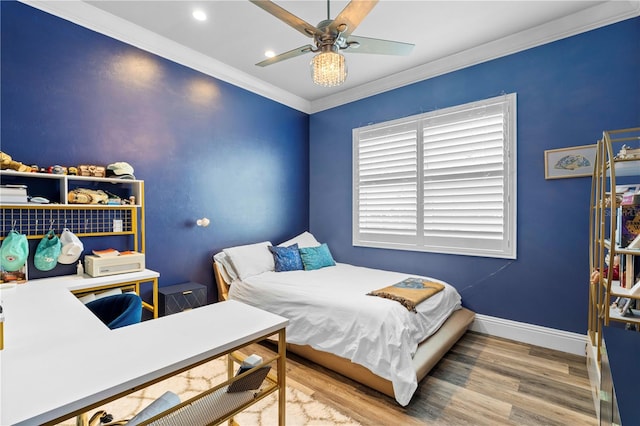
point(181, 297)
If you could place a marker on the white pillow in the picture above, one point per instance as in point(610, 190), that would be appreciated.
point(88, 298)
point(167, 400)
point(251, 259)
point(304, 240)
point(108, 293)
point(225, 267)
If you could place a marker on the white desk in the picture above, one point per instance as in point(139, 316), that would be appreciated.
point(88, 284)
point(60, 360)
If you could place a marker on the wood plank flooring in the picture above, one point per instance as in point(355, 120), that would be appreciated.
point(483, 380)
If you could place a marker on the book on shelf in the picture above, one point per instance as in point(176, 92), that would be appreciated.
point(628, 218)
point(635, 244)
point(13, 199)
point(11, 187)
point(110, 252)
point(633, 291)
point(12, 194)
point(252, 380)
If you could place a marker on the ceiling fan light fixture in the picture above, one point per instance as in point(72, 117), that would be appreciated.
point(329, 68)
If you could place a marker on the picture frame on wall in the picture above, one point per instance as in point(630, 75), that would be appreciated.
point(576, 161)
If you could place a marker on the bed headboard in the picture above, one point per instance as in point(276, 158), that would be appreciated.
point(223, 287)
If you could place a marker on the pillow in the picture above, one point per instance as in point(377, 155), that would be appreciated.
point(306, 239)
point(112, 292)
point(227, 271)
point(88, 298)
point(316, 257)
point(287, 258)
point(167, 400)
point(251, 259)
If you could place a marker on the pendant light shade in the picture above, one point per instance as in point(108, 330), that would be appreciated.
point(329, 68)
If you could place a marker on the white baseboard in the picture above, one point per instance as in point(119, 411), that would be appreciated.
point(550, 338)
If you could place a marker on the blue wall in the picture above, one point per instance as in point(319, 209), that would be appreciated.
point(568, 92)
point(260, 170)
point(204, 147)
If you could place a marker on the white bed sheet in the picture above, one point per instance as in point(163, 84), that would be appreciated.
point(329, 310)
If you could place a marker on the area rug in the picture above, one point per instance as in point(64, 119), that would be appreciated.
point(301, 408)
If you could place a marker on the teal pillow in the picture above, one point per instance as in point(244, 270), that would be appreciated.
point(286, 258)
point(316, 257)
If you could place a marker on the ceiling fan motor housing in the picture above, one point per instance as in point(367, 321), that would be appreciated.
point(329, 35)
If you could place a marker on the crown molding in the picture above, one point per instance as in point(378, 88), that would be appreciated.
point(589, 19)
point(95, 19)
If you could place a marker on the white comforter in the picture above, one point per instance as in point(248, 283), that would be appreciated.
point(329, 310)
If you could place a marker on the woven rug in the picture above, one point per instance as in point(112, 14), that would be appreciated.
point(302, 408)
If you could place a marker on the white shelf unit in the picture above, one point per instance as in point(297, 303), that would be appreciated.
point(34, 220)
point(65, 183)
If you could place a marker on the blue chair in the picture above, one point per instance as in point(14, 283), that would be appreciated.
point(118, 310)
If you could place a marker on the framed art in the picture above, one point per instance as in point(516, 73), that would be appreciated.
point(571, 162)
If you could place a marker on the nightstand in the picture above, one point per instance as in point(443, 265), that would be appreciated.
point(181, 297)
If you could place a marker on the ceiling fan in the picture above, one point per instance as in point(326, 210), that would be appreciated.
point(330, 36)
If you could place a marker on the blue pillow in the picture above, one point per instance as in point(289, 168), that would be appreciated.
point(286, 258)
point(316, 257)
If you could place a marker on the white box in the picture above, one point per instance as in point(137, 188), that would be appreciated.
point(97, 266)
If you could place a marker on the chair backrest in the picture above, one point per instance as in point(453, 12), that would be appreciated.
point(118, 310)
point(223, 287)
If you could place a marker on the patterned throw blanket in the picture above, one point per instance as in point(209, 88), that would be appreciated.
point(409, 292)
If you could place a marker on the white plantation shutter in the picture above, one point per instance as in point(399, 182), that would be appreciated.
point(443, 181)
point(386, 185)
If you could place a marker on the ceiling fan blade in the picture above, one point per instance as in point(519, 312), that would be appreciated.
point(379, 46)
point(286, 55)
point(352, 15)
point(287, 17)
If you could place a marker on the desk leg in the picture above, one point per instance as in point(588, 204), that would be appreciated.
point(155, 298)
point(230, 374)
point(282, 369)
point(82, 419)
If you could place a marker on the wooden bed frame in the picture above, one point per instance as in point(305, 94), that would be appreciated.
point(429, 352)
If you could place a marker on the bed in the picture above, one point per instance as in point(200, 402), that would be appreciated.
point(334, 322)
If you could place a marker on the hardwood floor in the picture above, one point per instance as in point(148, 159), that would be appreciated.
point(483, 380)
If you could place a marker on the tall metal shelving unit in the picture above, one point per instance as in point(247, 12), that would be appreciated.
point(604, 245)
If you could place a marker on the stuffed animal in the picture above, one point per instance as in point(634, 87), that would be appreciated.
point(6, 162)
point(595, 275)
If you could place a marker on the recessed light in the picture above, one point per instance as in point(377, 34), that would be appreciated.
point(269, 53)
point(199, 15)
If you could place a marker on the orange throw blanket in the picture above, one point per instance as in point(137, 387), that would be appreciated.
point(409, 292)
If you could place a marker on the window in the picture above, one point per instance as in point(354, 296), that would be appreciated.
point(443, 181)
